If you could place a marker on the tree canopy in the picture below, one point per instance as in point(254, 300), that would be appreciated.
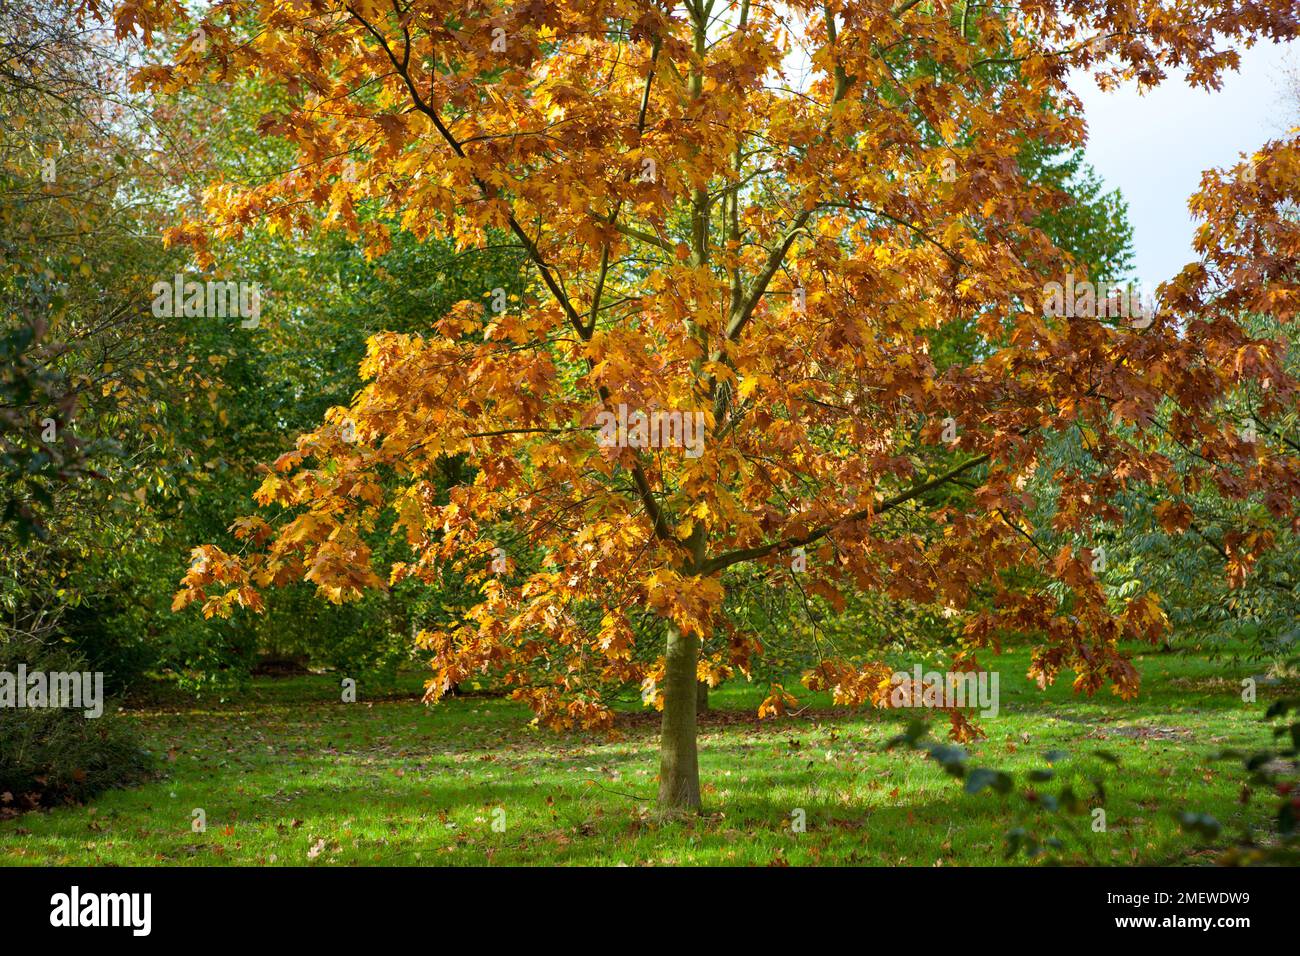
point(787, 285)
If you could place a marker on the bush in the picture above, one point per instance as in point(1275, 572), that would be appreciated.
point(369, 640)
point(123, 625)
point(51, 755)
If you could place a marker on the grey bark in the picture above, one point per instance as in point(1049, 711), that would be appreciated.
point(679, 768)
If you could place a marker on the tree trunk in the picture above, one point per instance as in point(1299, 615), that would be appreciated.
point(679, 767)
point(701, 698)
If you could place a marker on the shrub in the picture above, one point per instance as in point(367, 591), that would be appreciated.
point(50, 755)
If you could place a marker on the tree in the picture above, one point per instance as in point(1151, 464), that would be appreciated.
point(723, 357)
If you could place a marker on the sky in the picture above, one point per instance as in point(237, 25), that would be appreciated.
point(1154, 147)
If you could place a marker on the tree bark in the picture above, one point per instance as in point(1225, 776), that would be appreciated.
point(679, 767)
point(701, 698)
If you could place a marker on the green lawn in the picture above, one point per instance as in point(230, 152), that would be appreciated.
point(288, 775)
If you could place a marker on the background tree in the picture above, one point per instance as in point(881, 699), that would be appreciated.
point(125, 435)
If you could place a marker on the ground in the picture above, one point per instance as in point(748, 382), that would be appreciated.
point(287, 774)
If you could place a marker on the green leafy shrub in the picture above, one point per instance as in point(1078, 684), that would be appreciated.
point(51, 755)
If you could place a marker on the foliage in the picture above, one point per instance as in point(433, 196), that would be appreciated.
point(50, 755)
point(1274, 770)
point(1048, 825)
point(125, 435)
point(706, 243)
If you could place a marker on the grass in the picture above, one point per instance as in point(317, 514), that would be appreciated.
point(289, 775)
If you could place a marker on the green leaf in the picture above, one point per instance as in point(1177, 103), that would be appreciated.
point(1202, 824)
point(982, 777)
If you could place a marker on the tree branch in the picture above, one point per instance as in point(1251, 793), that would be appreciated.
point(723, 561)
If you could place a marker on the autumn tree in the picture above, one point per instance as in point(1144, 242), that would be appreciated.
point(74, 237)
point(758, 219)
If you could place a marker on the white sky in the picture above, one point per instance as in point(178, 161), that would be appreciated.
point(1155, 147)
